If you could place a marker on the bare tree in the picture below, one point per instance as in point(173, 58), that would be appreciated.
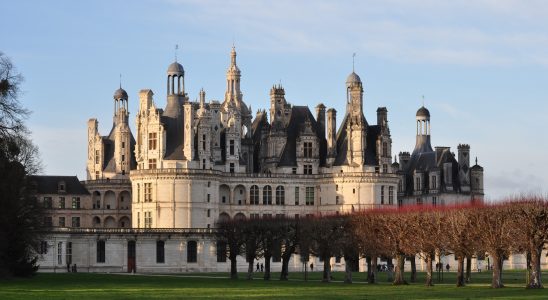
point(231, 232)
point(289, 238)
point(395, 226)
point(12, 113)
point(326, 241)
point(368, 239)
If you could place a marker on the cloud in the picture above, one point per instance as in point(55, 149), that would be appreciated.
point(457, 32)
point(513, 183)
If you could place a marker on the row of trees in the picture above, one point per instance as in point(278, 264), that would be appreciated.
point(20, 213)
point(497, 230)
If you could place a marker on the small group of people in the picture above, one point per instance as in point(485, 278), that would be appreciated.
point(261, 267)
point(72, 268)
point(384, 267)
point(439, 267)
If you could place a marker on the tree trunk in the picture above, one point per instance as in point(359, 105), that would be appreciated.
point(326, 269)
point(233, 268)
point(468, 269)
point(285, 266)
point(250, 268)
point(400, 263)
point(496, 281)
point(413, 269)
point(373, 275)
point(267, 267)
point(535, 280)
point(429, 281)
point(390, 270)
point(348, 263)
point(368, 262)
point(460, 271)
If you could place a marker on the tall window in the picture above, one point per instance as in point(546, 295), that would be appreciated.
point(434, 201)
point(100, 251)
point(391, 195)
point(221, 251)
point(385, 168)
point(307, 149)
point(48, 222)
point(60, 253)
point(280, 195)
point(160, 252)
point(148, 219)
point(96, 156)
point(267, 195)
point(61, 221)
point(68, 253)
point(138, 219)
point(61, 202)
point(152, 141)
point(309, 196)
point(296, 195)
point(231, 169)
point(385, 149)
point(434, 183)
point(307, 169)
point(47, 202)
point(382, 194)
point(75, 202)
point(152, 163)
point(148, 192)
point(231, 147)
point(191, 251)
point(43, 247)
point(254, 195)
point(75, 222)
point(417, 183)
point(203, 142)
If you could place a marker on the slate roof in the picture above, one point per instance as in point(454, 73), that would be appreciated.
point(173, 120)
point(50, 184)
point(372, 133)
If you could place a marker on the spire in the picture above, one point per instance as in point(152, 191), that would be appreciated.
point(476, 160)
point(353, 58)
point(233, 56)
point(176, 48)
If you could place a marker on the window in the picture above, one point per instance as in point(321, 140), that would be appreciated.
point(391, 195)
point(100, 251)
point(75, 202)
point(307, 169)
point(267, 195)
point(336, 199)
point(221, 251)
point(148, 192)
point(254, 216)
point(434, 201)
point(148, 219)
point(75, 222)
point(203, 142)
point(61, 187)
point(309, 196)
point(434, 183)
point(385, 149)
point(48, 222)
point(123, 145)
point(68, 253)
point(208, 198)
point(417, 183)
point(191, 252)
point(280, 195)
point(267, 216)
point(419, 201)
point(61, 202)
point(231, 147)
point(231, 167)
point(336, 187)
point(97, 156)
point(47, 202)
point(160, 252)
point(138, 219)
point(307, 151)
point(254, 195)
point(385, 168)
point(209, 213)
point(382, 194)
point(152, 138)
point(294, 170)
point(43, 247)
point(138, 193)
point(61, 221)
point(60, 253)
point(123, 157)
point(97, 176)
point(296, 195)
point(152, 163)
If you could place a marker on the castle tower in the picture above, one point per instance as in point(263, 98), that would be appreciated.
point(423, 131)
point(122, 133)
point(464, 167)
point(356, 123)
point(331, 135)
point(384, 141)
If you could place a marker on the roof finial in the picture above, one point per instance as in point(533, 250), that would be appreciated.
point(422, 100)
point(176, 48)
point(353, 58)
point(476, 160)
point(120, 80)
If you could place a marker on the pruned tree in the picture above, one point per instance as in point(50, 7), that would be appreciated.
point(289, 237)
point(230, 231)
point(252, 232)
point(326, 240)
point(368, 240)
point(531, 216)
point(350, 252)
point(395, 226)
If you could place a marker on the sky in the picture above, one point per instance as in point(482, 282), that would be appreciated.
point(480, 67)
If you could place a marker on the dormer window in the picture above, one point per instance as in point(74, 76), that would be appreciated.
point(61, 187)
point(307, 151)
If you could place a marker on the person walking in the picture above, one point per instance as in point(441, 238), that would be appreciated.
point(311, 267)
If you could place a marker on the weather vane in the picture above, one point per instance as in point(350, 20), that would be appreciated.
point(120, 80)
point(353, 58)
point(176, 48)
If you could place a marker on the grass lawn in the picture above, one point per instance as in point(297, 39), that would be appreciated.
point(217, 285)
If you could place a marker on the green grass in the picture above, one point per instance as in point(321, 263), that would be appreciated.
point(209, 286)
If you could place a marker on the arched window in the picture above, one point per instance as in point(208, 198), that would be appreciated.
point(254, 195)
point(267, 195)
point(280, 195)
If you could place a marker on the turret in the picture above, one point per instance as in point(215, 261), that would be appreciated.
point(423, 131)
point(331, 135)
point(464, 167)
point(320, 117)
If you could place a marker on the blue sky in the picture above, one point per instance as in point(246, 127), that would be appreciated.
point(481, 65)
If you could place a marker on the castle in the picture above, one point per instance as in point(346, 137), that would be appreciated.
point(195, 163)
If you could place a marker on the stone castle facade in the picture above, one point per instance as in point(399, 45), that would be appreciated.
point(192, 164)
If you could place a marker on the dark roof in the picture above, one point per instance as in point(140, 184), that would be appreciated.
point(50, 184)
point(173, 121)
point(372, 134)
point(300, 115)
point(423, 112)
